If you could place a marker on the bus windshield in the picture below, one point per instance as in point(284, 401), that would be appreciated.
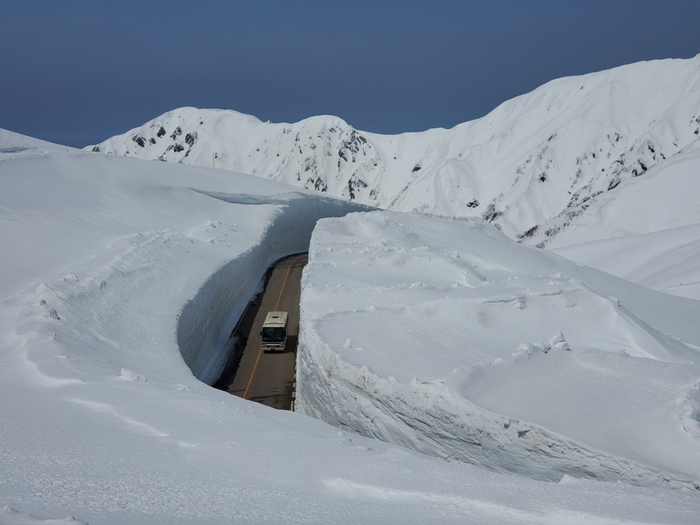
point(273, 334)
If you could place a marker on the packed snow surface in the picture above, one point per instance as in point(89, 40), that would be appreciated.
point(108, 263)
point(447, 337)
point(533, 166)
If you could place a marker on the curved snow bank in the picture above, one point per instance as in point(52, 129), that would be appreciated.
point(448, 338)
point(206, 321)
point(428, 417)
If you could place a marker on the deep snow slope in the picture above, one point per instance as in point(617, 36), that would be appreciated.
point(445, 336)
point(667, 260)
point(100, 417)
point(531, 166)
point(649, 233)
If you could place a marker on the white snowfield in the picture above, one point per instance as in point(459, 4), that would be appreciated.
point(103, 422)
point(444, 336)
point(649, 233)
point(533, 166)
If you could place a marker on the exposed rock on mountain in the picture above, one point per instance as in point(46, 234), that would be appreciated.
point(531, 166)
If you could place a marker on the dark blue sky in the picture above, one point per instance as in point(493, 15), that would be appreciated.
point(77, 72)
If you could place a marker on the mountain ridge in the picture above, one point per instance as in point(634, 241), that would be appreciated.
point(531, 166)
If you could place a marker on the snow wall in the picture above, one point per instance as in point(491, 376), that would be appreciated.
point(426, 416)
point(206, 321)
point(432, 420)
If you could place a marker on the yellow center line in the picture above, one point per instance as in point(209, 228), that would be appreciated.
point(286, 276)
point(257, 359)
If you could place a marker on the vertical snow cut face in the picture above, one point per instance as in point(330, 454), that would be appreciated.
point(206, 321)
point(445, 336)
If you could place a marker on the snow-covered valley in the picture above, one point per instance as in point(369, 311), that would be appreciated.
point(455, 374)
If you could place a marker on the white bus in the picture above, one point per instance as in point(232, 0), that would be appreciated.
point(274, 331)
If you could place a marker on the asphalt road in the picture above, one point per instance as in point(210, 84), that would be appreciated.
point(267, 377)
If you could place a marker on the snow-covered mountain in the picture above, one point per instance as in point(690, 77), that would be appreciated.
point(648, 233)
point(531, 167)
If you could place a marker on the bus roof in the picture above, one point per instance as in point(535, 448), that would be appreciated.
point(276, 319)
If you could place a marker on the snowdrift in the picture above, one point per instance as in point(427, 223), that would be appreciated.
point(447, 337)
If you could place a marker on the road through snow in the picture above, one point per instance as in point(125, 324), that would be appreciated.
point(268, 377)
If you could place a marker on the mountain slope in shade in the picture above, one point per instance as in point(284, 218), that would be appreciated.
point(531, 167)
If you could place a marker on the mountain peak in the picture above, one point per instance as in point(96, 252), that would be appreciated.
point(531, 166)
